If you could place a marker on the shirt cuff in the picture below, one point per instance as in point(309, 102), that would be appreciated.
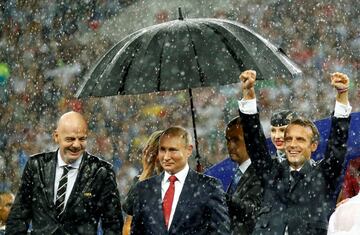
point(247, 106)
point(342, 110)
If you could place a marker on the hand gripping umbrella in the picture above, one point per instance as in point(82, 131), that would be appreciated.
point(184, 54)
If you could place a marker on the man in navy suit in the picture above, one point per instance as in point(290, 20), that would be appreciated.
point(67, 191)
point(298, 196)
point(179, 201)
point(244, 193)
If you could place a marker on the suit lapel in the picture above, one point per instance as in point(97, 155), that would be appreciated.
point(83, 176)
point(49, 170)
point(157, 210)
point(244, 178)
point(306, 168)
point(184, 199)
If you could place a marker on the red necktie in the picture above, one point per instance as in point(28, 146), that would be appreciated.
point(168, 199)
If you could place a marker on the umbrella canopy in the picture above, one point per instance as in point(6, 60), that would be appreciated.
point(185, 54)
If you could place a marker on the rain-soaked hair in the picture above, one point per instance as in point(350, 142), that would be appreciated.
point(4, 193)
point(178, 131)
point(150, 161)
point(304, 122)
point(282, 117)
point(152, 147)
point(236, 121)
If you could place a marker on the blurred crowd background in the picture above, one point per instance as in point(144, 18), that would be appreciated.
point(47, 48)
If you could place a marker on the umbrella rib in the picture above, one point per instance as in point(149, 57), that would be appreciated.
point(159, 70)
point(202, 75)
point(126, 71)
point(229, 48)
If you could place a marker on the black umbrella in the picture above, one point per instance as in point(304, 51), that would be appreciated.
point(185, 54)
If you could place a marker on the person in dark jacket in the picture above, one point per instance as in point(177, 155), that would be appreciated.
point(67, 191)
point(244, 193)
point(180, 200)
point(298, 197)
point(151, 166)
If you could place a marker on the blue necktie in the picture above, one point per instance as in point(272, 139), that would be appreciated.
point(235, 181)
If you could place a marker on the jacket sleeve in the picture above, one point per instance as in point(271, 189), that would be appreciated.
point(130, 197)
point(332, 164)
point(219, 215)
point(255, 141)
point(110, 207)
point(21, 214)
point(246, 204)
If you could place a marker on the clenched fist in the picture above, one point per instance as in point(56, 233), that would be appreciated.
point(340, 81)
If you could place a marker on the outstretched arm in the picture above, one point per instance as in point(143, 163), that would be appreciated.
point(254, 135)
point(111, 214)
point(336, 148)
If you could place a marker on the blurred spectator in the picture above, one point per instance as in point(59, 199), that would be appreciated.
point(6, 201)
point(346, 218)
point(351, 184)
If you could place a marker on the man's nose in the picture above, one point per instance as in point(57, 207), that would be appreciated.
point(76, 143)
point(166, 155)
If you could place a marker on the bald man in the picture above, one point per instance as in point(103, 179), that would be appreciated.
point(67, 191)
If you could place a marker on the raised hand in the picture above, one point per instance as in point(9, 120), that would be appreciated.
point(248, 79)
point(341, 82)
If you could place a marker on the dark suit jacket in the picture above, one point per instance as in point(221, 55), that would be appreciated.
point(245, 203)
point(201, 208)
point(306, 205)
point(93, 196)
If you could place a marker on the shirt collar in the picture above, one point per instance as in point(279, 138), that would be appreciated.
point(181, 175)
point(243, 166)
point(75, 165)
point(293, 169)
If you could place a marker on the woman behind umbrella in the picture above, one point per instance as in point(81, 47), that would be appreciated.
point(151, 166)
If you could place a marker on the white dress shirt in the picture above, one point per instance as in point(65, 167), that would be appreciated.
point(73, 172)
point(179, 184)
point(249, 107)
point(243, 167)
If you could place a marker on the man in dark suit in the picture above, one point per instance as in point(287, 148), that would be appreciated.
point(244, 193)
point(67, 191)
point(298, 196)
point(180, 200)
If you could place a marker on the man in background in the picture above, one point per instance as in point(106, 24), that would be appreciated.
point(244, 193)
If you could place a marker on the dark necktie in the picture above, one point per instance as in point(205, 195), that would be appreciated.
point(235, 181)
point(168, 199)
point(60, 195)
point(295, 176)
